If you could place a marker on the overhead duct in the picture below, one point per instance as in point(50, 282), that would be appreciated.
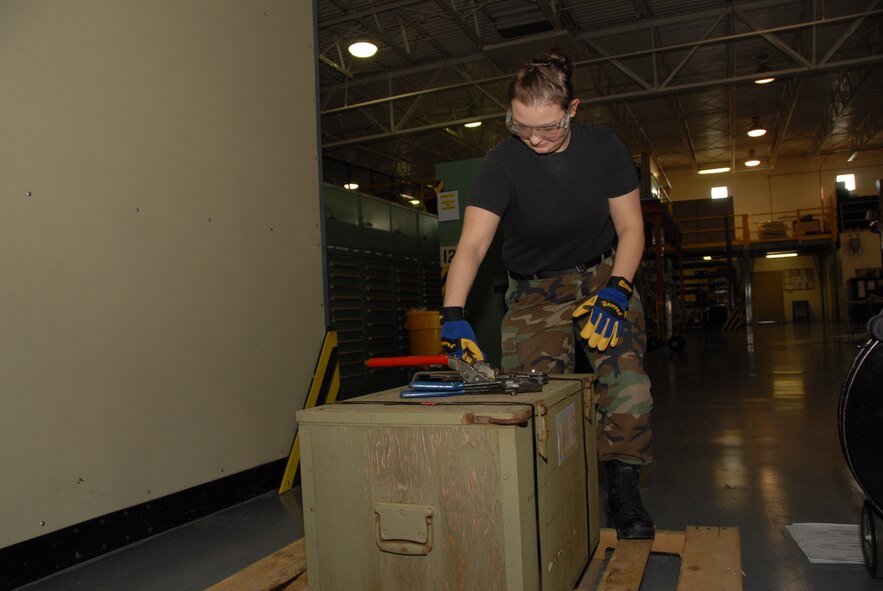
point(520, 22)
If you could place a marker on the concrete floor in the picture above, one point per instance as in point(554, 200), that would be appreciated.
point(745, 428)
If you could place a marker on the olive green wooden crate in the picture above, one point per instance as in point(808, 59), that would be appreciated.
point(490, 491)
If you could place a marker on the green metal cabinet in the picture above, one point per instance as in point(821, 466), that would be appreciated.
point(405, 238)
point(427, 228)
point(342, 218)
point(376, 235)
point(382, 260)
point(469, 492)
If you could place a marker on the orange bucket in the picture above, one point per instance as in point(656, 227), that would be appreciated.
point(424, 331)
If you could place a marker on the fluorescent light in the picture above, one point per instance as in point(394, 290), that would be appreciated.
point(472, 124)
point(764, 80)
point(414, 202)
point(715, 170)
point(362, 49)
point(706, 258)
point(351, 186)
point(780, 255)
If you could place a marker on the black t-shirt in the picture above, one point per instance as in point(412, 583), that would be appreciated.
point(554, 207)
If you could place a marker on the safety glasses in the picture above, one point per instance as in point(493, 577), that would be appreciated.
point(552, 131)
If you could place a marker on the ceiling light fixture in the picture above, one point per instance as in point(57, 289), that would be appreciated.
point(756, 129)
point(780, 255)
point(472, 124)
point(752, 161)
point(715, 170)
point(351, 186)
point(706, 258)
point(362, 48)
point(762, 71)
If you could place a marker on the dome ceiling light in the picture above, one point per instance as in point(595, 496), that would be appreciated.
point(362, 48)
point(756, 130)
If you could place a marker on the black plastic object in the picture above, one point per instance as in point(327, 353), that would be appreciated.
point(860, 420)
point(872, 540)
point(875, 327)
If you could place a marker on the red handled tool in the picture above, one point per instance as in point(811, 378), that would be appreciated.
point(407, 361)
point(477, 371)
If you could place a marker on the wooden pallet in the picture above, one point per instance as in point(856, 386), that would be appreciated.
point(710, 560)
point(284, 570)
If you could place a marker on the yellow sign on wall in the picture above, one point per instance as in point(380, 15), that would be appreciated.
point(448, 206)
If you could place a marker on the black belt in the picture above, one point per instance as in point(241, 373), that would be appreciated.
point(555, 273)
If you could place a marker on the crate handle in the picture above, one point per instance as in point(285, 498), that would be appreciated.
point(403, 528)
point(520, 418)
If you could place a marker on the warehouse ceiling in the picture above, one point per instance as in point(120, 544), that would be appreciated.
point(673, 78)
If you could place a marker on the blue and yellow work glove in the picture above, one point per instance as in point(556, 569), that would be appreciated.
point(457, 336)
point(607, 314)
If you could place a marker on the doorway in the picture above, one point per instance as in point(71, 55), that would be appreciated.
point(767, 296)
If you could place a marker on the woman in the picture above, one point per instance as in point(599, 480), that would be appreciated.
point(567, 197)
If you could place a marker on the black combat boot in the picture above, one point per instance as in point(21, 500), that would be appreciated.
point(628, 512)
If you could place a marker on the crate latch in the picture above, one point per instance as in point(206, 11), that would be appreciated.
point(542, 431)
point(404, 529)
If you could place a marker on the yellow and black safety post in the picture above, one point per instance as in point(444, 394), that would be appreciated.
point(734, 320)
point(323, 390)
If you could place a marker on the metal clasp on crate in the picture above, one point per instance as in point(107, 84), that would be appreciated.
point(542, 431)
point(403, 528)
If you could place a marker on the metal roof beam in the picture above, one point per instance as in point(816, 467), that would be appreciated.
point(618, 65)
point(677, 19)
point(849, 32)
point(770, 38)
point(375, 30)
point(644, 93)
point(804, 67)
point(787, 105)
point(349, 16)
point(408, 72)
point(870, 125)
point(842, 94)
point(412, 108)
point(454, 15)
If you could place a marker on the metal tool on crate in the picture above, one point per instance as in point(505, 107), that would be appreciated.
point(463, 378)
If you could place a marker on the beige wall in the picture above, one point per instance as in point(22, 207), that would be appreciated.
point(813, 296)
point(161, 291)
point(866, 256)
point(803, 184)
point(792, 184)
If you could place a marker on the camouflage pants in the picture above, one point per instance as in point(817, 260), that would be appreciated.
point(538, 332)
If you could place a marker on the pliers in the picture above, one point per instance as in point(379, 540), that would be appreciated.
point(477, 377)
